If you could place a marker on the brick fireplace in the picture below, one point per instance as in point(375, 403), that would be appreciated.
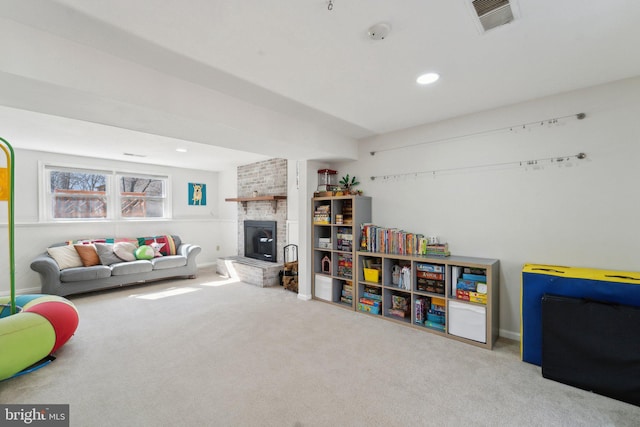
point(267, 178)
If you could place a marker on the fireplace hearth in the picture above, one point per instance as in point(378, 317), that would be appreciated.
point(260, 240)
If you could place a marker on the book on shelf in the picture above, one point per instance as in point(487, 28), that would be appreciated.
point(438, 249)
point(455, 275)
point(322, 214)
point(374, 238)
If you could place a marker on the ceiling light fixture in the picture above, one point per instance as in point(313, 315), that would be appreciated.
point(428, 78)
point(181, 150)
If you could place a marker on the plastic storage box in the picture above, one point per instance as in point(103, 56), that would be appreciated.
point(323, 287)
point(371, 275)
point(467, 321)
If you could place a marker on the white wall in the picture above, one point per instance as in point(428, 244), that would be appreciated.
point(585, 215)
point(194, 224)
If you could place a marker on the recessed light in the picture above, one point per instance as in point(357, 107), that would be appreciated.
point(428, 78)
point(181, 150)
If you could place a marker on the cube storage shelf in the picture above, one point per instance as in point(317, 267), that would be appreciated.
point(417, 291)
point(428, 298)
point(336, 232)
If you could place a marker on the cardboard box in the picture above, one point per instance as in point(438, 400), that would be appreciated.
point(462, 294)
point(369, 308)
point(430, 267)
point(437, 301)
point(477, 297)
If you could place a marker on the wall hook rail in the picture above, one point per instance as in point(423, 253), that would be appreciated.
point(552, 121)
point(533, 163)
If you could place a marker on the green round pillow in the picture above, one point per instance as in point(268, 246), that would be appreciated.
point(144, 252)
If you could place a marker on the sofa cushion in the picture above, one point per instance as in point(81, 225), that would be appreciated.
point(170, 261)
point(79, 274)
point(106, 255)
point(66, 256)
point(131, 267)
point(88, 255)
point(125, 251)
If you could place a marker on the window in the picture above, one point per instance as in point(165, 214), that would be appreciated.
point(80, 194)
point(141, 197)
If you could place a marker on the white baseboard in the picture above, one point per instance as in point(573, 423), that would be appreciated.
point(206, 264)
point(509, 334)
point(22, 291)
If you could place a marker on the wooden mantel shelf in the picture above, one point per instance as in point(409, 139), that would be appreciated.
point(272, 198)
point(255, 199)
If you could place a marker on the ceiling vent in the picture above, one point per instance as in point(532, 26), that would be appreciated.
point(493, 13)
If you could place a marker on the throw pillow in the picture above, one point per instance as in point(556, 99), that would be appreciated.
point(169, 247)
point(157, 247)
point(88, 255)
point(144, 252)
point(106, 255)
point(66, 256)
point(125, 251)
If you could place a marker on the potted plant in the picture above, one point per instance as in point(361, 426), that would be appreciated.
point(348, 183)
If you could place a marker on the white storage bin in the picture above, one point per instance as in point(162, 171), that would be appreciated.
point(467, 321)
point(323, 287)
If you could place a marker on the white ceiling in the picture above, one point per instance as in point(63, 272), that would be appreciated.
point(250, 79)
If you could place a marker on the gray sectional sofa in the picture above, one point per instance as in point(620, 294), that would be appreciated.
point(75, 280)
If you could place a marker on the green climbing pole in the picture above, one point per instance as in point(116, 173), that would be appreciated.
point(6, 194)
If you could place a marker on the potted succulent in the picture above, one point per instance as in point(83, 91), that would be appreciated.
point(348, 183)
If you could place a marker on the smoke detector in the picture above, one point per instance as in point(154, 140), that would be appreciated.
point(379, 31)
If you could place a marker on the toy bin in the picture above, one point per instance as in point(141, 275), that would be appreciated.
point(467, 321)
point(323, 287)
point(371, 275)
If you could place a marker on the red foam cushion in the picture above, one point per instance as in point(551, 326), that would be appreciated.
point(63, 318)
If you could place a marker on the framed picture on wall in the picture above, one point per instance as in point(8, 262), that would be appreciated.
point(197, 194)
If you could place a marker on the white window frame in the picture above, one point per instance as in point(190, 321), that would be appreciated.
point(165, 197)
point(113, 211)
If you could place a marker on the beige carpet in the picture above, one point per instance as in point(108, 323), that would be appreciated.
point(231, 354)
